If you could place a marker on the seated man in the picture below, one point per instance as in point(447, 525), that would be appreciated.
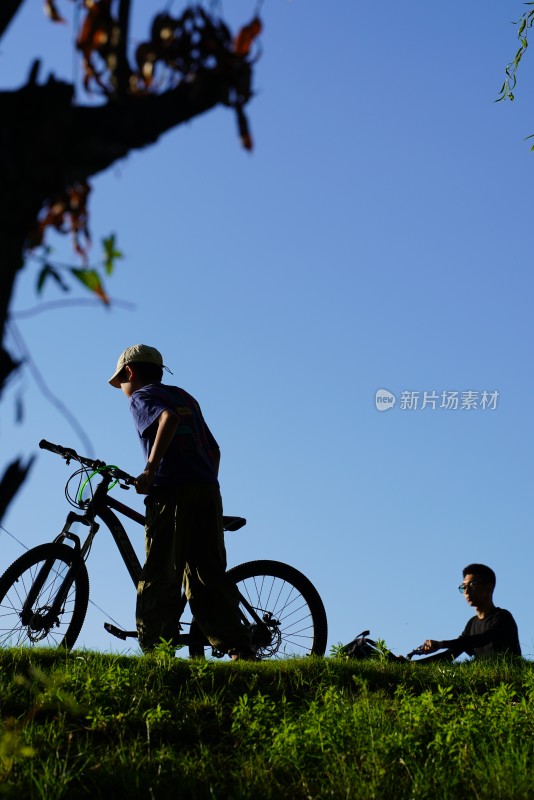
point(492, 631)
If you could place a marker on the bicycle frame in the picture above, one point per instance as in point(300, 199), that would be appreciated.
point(102, 505)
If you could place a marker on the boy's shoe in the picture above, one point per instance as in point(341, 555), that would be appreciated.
point(243, 655)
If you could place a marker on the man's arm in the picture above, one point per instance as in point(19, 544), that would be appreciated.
point(500, 631)
point(452, 649)
point(445, 655)
point(167, 423)
point(432, 645)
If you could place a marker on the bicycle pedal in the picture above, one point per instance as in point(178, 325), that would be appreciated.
point(120, 634)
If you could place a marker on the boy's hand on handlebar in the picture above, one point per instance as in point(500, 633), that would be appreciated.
point(143, 483)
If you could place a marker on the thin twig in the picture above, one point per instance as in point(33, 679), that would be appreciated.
point(46, 392)
point(53, 305)
point(5, 530)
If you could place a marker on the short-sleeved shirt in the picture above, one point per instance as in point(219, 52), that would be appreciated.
point(188, 458)
point(496, 633)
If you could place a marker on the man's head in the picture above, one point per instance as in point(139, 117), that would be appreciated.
point(478, 585)
point(146, 361)
point(483, 573)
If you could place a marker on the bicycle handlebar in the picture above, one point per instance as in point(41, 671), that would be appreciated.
point(71, 455)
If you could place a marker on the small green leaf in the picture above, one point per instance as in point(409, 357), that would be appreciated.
point(48, 271)
point(43, 275)
point(91, 280)
point(111, 253)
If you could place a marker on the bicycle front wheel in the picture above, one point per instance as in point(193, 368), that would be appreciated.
point(28, 589)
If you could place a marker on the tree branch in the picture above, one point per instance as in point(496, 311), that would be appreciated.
point(99, 136)
point(47, 143)
point(8, 9)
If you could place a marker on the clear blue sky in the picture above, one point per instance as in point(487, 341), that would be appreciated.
point(377, 237)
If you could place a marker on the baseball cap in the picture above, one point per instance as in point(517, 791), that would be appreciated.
point(138, 352)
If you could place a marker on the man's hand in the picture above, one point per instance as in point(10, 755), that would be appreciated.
point(431, 645)
point(143, 483)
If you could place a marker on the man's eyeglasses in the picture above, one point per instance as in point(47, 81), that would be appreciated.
point(463, 587)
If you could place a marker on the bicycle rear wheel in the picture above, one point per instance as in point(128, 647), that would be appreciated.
point(292, 619)
point(43, 568)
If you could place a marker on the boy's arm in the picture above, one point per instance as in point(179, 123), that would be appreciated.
point(167, 423)
point(215, 456)
point(209, 441)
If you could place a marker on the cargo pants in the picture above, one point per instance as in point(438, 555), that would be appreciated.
point(184, 543)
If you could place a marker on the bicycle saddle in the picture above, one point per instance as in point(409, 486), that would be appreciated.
point(233, 523)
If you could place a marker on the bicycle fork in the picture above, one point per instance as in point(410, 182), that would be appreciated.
point(44, 618)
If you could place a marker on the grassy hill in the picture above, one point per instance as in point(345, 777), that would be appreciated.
point(83, 724)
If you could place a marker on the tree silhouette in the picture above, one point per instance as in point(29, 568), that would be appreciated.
point(50, 145)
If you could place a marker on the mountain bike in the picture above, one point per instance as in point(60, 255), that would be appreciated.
point(44, 594)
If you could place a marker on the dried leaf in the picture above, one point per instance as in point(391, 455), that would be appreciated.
point(78, 215)
point(96, 36)
point(244, 131)
point(244, 39)
point(187, 44)
point(66, 212)
point(52, 12)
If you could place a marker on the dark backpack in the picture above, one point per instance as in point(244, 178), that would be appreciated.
point(362, 647)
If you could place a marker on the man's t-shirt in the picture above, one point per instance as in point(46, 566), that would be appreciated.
point(496, 633)
point(187, 459)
